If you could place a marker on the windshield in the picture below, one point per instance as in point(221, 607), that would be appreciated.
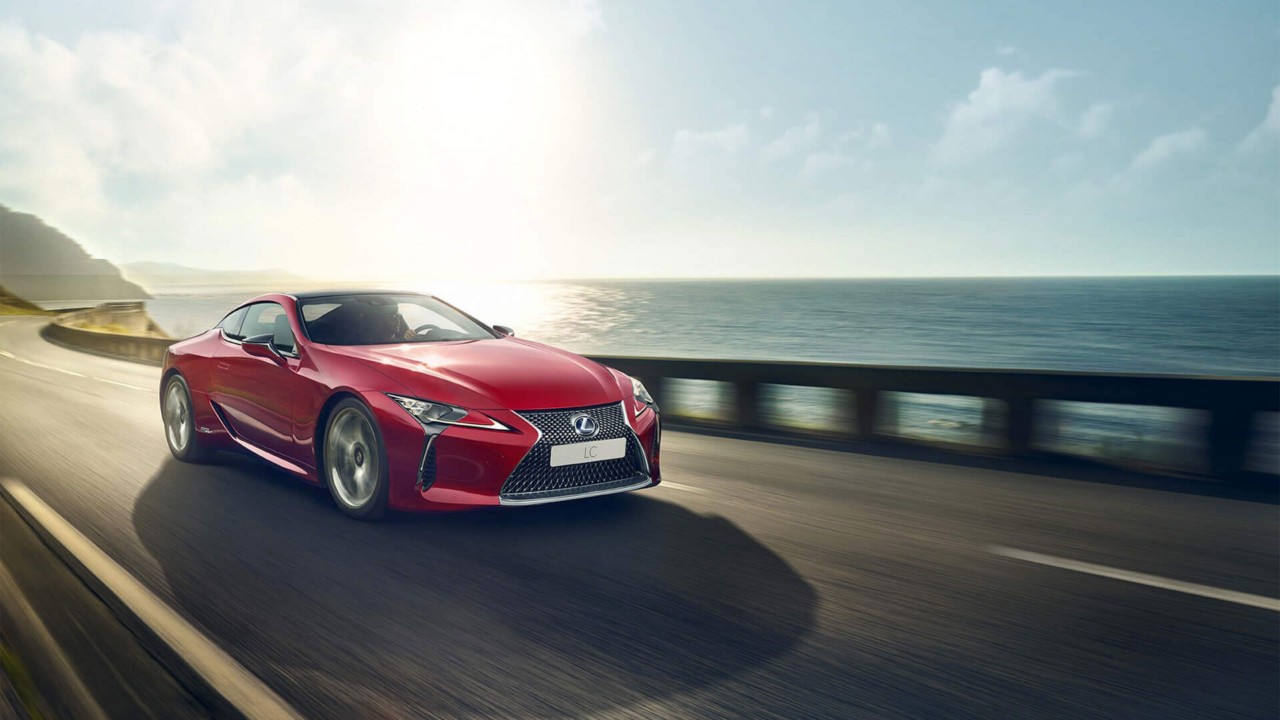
point(386, 319)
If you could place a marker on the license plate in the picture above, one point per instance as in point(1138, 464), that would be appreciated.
point(585, 452)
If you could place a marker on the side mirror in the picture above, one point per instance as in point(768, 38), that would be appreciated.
point(260, 346)
point(504, 330)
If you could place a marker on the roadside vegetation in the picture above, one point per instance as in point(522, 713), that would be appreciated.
point(11, 304)
point(116, 328)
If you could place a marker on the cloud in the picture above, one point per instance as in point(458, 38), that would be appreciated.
point(879, 137)
point(825, 161)
point(1094, 120)
point(253, 126)
point(849, 150)
point(111, 105)
point(1166, 147)
point(767, 112)
point(793, 141)
point(1000, 107)
point(1068, 162)
point(1007, 50)
point(726, 141)
point(1267, 133)
point(581, 17)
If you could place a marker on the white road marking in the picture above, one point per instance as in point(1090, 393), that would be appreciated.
point(73, 373)
point(246, 693)
point(33, 363)
point(685, 488)
point(116, 382)
point(1258, 601)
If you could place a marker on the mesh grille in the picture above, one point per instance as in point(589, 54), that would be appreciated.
point(427, 473)
point(534, 477)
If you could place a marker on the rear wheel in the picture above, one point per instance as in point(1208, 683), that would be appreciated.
point(355, 461)
point(180, 423)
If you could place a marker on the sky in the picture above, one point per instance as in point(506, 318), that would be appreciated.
point(653, 138)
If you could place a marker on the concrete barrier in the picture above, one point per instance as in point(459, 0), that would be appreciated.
point(138, 338)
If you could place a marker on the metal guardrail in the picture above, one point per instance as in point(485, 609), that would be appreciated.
point(1012, 397)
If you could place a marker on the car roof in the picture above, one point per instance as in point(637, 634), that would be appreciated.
point(312, 294)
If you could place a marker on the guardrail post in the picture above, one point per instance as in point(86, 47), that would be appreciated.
point(1229, 432)
point(746, 403)
point(1020, 428)
point(993, 421)
point(866, 409)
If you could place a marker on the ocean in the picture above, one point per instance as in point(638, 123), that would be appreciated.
point(1179, 325)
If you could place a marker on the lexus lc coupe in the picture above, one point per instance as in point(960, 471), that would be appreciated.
point(402, 401)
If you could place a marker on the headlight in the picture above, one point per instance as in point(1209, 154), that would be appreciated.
point(641, 395)
point(428, 412)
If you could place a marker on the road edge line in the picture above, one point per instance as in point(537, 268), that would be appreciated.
point(187, 652)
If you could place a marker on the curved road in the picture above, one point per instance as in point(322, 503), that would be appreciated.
point(760, 581)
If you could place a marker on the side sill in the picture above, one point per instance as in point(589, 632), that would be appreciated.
point(277, 460)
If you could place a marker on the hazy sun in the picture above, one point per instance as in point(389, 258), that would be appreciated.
point(481, 108)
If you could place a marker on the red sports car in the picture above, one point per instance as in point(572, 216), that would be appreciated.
point(401, 400)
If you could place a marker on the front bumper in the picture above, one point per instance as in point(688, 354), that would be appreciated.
point(466, 467)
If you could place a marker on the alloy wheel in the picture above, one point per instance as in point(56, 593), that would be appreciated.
point(177, 416)
point(352, 458)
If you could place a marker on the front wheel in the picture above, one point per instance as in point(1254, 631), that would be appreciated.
point(180, 423)
point(355, 461)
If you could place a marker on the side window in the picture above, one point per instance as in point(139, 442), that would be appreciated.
point(231, 324)
point(282, 335)
point(261, 319)
point(269, 319)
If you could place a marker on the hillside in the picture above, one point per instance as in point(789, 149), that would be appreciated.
point(11, 304)
point(38, 262)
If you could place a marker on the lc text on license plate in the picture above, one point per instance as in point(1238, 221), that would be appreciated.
point(586, 452)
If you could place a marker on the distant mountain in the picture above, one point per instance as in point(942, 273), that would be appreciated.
point(156, 275)
point(38, 262)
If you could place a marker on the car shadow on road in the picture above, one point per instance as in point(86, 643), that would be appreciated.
point(557, 610)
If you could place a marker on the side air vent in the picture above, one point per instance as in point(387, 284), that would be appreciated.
point(427, 470)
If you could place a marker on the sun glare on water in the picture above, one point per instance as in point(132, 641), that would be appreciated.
point(530, 308)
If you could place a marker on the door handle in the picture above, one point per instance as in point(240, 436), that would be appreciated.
point(223, 366)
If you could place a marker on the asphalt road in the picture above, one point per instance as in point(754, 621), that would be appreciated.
point(760, 580)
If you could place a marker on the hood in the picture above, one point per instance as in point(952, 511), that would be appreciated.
point(505, 373)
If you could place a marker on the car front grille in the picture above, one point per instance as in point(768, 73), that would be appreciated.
point(535, 479)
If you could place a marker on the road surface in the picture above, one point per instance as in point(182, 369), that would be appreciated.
point(760, 580)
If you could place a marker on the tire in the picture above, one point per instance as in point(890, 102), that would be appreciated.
point(178, 415)
point(355, 461)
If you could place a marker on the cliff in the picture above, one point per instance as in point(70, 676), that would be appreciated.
point(38, 262)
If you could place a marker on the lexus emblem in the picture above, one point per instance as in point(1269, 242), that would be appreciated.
point(584, 425)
